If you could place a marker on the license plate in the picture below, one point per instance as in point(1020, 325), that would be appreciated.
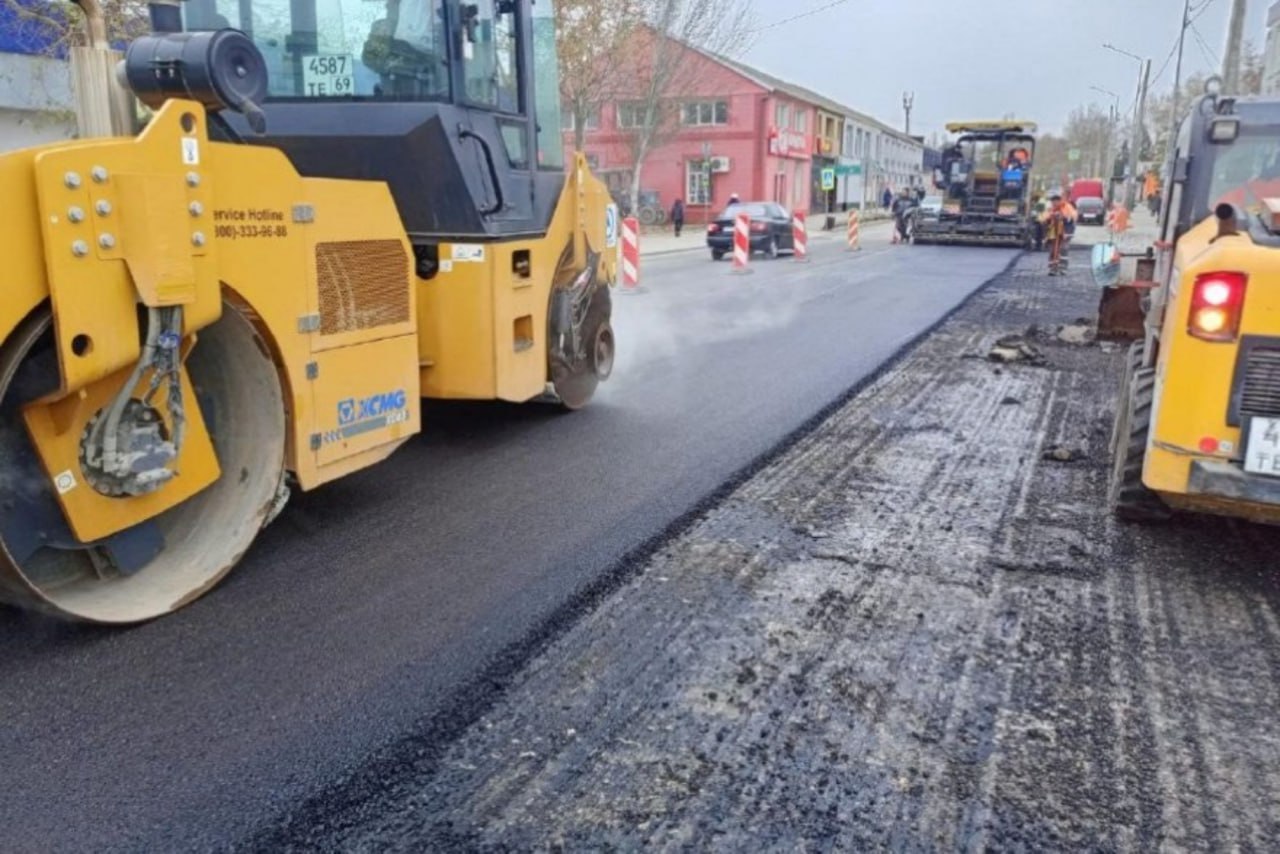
point(1262, 456)
point(327, 75)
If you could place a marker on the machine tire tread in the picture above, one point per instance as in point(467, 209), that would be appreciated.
point(1131, 499)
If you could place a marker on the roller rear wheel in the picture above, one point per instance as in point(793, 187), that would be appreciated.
point(166, 562)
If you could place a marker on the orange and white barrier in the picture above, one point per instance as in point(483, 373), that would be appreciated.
point(800, 232)
point(852, 235)
point(741, 242)
point(630, 255)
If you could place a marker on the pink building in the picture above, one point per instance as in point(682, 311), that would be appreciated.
point(738, 133)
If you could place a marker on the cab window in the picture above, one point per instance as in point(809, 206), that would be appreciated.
point(491, 69)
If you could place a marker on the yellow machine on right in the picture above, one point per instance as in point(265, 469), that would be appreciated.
point(1198, 419)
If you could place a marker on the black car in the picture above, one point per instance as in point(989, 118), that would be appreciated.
point(1091, 210)
point(770, 229)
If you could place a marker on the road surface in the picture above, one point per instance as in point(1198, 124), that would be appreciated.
point(918, 628)
point(385, 609)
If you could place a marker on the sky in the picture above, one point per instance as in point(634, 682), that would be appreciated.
point(971, 59)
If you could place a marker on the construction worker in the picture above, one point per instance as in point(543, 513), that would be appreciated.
point(1057, 220)
point(903, 208)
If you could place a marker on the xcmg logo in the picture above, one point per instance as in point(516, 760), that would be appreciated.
point(352, 410)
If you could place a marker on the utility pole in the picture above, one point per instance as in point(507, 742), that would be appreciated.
point(908, 98)
point(1139, 132)
point(1231, 57)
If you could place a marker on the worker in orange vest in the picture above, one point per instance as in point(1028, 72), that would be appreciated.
point(1059, 220)
point(1151, 185)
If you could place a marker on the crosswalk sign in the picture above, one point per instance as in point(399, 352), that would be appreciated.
point(828, 179)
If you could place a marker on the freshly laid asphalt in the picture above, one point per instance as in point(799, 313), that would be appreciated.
point(389, 606)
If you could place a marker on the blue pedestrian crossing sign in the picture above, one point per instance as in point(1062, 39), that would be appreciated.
point(828, 178)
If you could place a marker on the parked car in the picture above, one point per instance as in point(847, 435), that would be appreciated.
point(930, 206)
point(770, 229)
point(1091, 210)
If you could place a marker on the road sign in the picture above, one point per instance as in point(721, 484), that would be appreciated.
point(1073, 155)
point(849, 169)
point(828, 179)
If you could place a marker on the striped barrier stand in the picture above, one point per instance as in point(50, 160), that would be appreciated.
point(742, 243)
point(630, 245)
point(800, 232)
point(852, 235)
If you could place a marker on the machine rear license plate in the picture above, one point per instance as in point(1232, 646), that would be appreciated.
point(1262, 454)
point(328, 74)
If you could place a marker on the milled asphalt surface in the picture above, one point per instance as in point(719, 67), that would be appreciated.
point(389, 606)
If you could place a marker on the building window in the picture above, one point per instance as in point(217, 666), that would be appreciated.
point(630, 115)
point(697, 113)
point(802, 121)
point(782, 115)
point(697, 183)
point(567, 121)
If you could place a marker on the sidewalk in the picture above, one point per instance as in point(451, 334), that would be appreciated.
point(659, 240)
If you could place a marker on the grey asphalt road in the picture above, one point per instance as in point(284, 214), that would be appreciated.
point(385, 609)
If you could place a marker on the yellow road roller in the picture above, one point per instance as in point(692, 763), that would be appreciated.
point(332, 209)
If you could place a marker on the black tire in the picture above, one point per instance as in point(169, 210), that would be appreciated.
point(717, 254)
point(1130, 498)
point(771, 251)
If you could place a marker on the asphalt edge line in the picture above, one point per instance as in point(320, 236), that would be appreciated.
point(420, 752)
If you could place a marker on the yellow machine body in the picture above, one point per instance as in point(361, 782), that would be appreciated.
point(98, 231)
point(1198, 384)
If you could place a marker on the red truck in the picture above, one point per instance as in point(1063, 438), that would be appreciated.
point(1085, 188)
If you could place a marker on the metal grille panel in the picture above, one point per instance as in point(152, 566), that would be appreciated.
point(363, 285)
point(1260, 394)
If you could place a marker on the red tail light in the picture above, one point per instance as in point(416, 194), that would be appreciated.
point(713, 228)
point(1217, 301)
point(759, 226)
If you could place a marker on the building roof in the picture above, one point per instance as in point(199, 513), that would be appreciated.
point(777, 84)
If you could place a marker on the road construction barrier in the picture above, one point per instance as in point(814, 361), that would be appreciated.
point(800, 232)
point(741, 242)
point(852, 235)
point(1118, 219)
point(630, 255)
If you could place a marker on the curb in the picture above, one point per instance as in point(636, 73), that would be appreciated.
point(836, 233)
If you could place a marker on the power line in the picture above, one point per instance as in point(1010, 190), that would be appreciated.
point(1191, 19)
point(797, 17)
point(1209, 54)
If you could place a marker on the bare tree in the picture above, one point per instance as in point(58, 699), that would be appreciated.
point(1091, 131)
point(59, 26)
point(590, 36)
point(660, 75)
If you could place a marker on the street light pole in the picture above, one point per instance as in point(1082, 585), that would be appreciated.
point(1135, 138)
point(908, 98)
point(1231, 57)
point(1113, 116)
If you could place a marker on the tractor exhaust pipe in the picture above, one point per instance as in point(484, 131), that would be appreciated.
point(1227, 223)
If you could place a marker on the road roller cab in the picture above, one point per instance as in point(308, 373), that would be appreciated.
point(1198, 421)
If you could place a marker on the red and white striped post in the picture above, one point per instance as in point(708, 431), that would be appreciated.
point(630, 255)
point(852, 236)
point(800, 232)
point(741, 242)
